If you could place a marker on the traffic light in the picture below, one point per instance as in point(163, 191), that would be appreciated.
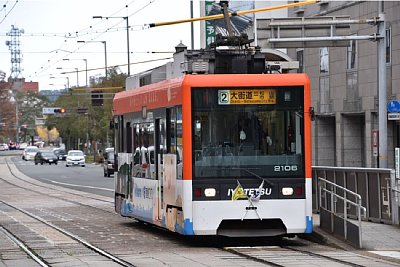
point(59, 110)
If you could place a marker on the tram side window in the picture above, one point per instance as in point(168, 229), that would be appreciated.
point(172, 131)
point(162, 140)
point(136, 144)
point(174, 135)
point(144, 155)
point(137, 162)
point(179, 133)
point(179, 146)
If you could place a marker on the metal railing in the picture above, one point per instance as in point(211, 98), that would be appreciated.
point(374, 185)
point(324, 190)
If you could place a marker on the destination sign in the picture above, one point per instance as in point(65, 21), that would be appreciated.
point(247, 97)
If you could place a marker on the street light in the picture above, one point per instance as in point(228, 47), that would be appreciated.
point(105, 52)
point(84, 59)
point(77, 74)
point(127, 36)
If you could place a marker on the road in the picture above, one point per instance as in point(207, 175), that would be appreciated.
point(59, 225)
point(87, 179)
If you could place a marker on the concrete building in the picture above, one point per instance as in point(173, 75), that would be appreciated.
point(20, 85)
point(344, 84)
point(344, 81)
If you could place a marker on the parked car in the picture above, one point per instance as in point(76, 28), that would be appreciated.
point(60, 153)
point(30, 152)
point(45, 157)
point(108, 164)
point(75, 157)
point(3, 147)
point(23, 146)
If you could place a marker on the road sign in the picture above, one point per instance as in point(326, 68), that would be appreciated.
point(375, 142)
point(394, 116)
point(48, 111)
point(51, 111)
point(393, 106)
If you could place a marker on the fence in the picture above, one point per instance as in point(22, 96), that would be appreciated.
point(378, 189)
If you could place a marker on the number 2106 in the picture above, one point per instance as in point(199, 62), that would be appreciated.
point(285, 168)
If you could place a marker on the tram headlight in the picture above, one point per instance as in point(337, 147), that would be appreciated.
point(210, 192)
point(287, 191)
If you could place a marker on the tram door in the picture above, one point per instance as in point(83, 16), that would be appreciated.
point(160, 145)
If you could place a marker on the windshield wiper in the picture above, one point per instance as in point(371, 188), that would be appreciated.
point(256, 175)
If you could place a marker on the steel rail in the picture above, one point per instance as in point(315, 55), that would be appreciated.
point(249, 257)
point(322, 256)
point(27, 250)
point(76, 238)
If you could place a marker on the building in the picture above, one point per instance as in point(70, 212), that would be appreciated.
point(344, 83)
point(20, 85)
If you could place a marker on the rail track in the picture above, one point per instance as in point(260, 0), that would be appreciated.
point(83, 225)
point(288, 256)
point(29, 252)
point(40, 260)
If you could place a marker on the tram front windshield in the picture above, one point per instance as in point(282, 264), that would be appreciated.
point(248, 131)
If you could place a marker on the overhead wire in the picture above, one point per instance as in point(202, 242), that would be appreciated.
point(108, 29)
point(5, 16)
point(119, 65)
point(4, 6)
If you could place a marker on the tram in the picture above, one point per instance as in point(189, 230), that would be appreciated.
point(221, 148)
point(216, 154)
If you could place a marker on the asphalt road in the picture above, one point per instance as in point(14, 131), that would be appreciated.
point(88, 179)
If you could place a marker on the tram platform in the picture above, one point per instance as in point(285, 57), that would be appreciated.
point(377, 238)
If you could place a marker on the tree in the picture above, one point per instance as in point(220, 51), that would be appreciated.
point(92, 127)
point(30, 107)
point(101, 128)
point(71, 126)
point(7, 114)
point(49, 136)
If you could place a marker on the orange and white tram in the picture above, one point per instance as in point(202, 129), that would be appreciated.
point(216, 154)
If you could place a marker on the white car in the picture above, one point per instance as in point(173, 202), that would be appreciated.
point(3, 147)
point(30, 152)
point(75, 157)
point(23, 146)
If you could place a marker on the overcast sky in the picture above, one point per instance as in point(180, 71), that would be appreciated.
point(53, 27)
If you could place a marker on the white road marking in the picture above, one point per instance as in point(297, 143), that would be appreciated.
point(392, 254)
point(86, 186)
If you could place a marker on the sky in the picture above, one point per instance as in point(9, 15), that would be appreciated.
point(51, 29)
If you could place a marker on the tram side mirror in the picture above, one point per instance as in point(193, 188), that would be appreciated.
point(312, 114)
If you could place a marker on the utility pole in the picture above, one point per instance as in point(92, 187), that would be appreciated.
point(382, 150)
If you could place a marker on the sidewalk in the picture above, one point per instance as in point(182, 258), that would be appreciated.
point(377, 238)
